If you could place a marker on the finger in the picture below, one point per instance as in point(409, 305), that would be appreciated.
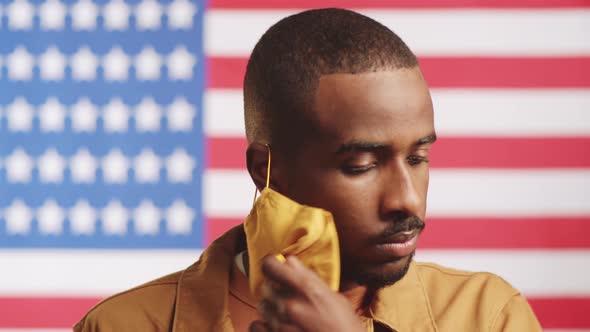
point(273, 309)
point(294, 262)
point(274, 290)
point(297, 265)
point(278, 322)
point(284, 274)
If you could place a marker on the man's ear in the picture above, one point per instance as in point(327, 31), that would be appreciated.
point(257, 161)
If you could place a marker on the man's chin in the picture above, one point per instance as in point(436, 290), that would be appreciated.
point(382, 275)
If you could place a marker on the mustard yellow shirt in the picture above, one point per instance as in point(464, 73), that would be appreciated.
point(429, 298)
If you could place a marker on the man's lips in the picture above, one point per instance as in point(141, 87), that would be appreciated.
point(400, 244)
point(400, 237)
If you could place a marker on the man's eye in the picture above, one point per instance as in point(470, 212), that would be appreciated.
point(416, 160)
point(356, 170)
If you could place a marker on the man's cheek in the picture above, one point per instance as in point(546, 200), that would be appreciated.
point(352, 228)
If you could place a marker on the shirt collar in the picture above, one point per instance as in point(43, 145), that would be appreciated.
point(404, 306)
point(203, 288)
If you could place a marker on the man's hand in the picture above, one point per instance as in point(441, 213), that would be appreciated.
point(297, 299)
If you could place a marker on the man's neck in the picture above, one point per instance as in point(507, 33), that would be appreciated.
point(359, 296)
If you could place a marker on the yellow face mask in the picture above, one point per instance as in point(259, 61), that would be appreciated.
point(280, 226)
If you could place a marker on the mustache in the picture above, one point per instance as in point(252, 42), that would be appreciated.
point(404, 225)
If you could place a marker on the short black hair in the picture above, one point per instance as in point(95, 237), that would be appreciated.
point(285, 66)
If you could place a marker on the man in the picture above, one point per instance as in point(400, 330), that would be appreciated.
point(342, 104)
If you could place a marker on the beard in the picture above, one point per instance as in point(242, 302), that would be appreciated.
point(374, 277)
point(375, 280)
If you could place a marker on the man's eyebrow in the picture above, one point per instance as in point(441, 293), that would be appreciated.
point(355, 146)
point(426, 140)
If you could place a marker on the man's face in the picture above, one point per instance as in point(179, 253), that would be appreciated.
point(364, 157)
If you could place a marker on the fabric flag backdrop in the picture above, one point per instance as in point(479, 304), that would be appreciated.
point(122, 143)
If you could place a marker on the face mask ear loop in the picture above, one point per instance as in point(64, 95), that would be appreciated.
point(267, 176)
point(268, 168)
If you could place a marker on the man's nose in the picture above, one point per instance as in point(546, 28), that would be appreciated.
point(400, 192)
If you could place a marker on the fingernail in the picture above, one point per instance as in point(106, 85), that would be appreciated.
point(280, 258)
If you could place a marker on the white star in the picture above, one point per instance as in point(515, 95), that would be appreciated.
point(115, 116)
point(116, 15)
point(116, 65)
point(20, 65)
point(19, 166)
point(146, 218)
point(51, 115)
point(83, 116)
point(147, 115)
point(180, 64)
point(148, 15)
point(51, 166)
point(180, 115)
point(20, 15)
point(115, 218)
point(82, 218)
point(50, 218)
point(84, 14)
point(180, 14)
point(179, 166)
point(84, 64)
point(18, 218)
point(52, 65)
point(147, 167)
point(83, 167)
point(19, 115)
point(115, 167)
point(148, 64)
point(52, 14)
point(179, 218)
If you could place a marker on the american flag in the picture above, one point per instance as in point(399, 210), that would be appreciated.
point(122, 143)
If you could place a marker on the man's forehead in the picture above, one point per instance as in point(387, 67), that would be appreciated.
point(391, 75)
point(369, 98)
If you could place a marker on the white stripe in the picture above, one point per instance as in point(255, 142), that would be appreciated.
point(538, 273)
point(464, 192)
point(430, 32)
point(512, 112)
point(468, 112)
point(481, 192)
point(224, 112)
point(85, 273)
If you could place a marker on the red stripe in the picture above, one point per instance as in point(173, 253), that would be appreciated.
point(43, 312)
point(562, 312)
point(456, 72)
point(226, 152)
point(479, 233)
point(454, 152)
point(491, 233)
point(417, 4)
point(511, 152)
point(215, 227)
point(65, 312)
